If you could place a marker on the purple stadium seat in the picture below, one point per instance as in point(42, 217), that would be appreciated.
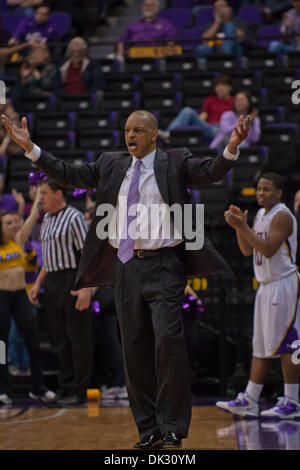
point(204, 16)
point(62, 21)
point(194, 36)
point(183, 4)
point(250, 15)
point(3, 6)
point(265, 34)
point(11, 20)
point(179, 17)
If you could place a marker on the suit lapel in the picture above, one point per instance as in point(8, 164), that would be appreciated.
point(160, 171)
point(119, 173)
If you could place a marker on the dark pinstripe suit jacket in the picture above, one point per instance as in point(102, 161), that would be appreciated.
point(175, 171)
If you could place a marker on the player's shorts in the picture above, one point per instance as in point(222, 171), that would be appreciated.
point(276, 317)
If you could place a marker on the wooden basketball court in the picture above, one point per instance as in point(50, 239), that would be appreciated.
point(31, 428)
point(26, 426)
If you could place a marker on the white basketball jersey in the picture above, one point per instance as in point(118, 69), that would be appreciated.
point(282, 263)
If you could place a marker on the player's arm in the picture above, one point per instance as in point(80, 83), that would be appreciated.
point(280, 229)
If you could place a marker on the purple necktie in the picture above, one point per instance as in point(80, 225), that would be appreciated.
point(126, 245)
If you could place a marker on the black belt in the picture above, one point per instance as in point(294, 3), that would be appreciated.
point(146, 253)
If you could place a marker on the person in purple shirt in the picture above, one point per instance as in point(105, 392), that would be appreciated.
point(229, 119)
point(150, 28)
point(39, 28)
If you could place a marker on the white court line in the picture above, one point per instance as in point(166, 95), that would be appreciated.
point(31, 420)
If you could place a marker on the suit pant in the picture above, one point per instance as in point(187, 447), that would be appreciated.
point(149, 294)
point(70, 333)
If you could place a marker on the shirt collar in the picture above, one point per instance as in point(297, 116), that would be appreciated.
point(147, 160)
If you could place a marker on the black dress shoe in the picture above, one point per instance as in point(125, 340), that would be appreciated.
point(171, 440)
point(150, 442)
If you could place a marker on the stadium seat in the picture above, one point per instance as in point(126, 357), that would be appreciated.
point(141, 65)
point(51, 120)
point(183, 4)
point(122, 82)
point(245, 173)
point(55, 139)
point(98, 139)
point(109, 65)
point(62, 21)
point(261, 60)
point(96, 119)
point(225, 62)
point(160, 83)
point(10, 21)
point(37, 103)
point(75, 102)
point(162, 99)
point(178, 64)
point(191, 37)
point(186, 137)
point(17, 172)
point(204, 17)
point(179, 17)
point(119, 100)
point(267, 33)
point(195, 82)
point(270, 114)
point(215, 198)
point(250, 15)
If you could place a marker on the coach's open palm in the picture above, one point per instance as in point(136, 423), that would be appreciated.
point(19, 134)
point(239, 133)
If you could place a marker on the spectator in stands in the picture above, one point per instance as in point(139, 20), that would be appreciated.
point(290, 29)
point(212, 109)
point(225, 25)
point(36, 74)
point(78, 74)
point(150, 28)
point(229, 120)
point(7, 146)
point(40, 28)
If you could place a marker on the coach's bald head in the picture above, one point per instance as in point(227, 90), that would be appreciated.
point(141, 133)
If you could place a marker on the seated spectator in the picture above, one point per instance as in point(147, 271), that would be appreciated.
point(290, 29)
point(36, 74)
point(39, 28)
point(225, 25)
point(212, 109)
point(229, 120)
point(7, 146)
point(150, 28)
point(78, 74)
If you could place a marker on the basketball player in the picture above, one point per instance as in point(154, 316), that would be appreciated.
point(273, 243)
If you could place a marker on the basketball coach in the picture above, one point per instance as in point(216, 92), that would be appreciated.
point(149, 275)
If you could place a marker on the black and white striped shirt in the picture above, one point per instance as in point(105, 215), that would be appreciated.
point(62, 238)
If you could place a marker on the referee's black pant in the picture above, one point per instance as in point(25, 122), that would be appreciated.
point(70, 333)
point(149, 294)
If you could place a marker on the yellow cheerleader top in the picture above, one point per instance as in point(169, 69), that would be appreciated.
point(11, 255)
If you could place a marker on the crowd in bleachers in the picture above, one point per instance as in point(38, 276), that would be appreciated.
point(237, 57)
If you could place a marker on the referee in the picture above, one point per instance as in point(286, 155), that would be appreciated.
point(62, 235)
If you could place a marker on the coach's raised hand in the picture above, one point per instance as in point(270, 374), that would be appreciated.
point(239, 133)
point(19, 134)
